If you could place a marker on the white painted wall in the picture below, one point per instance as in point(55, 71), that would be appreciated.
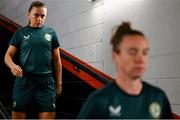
point(159, 21)
point(84, 30)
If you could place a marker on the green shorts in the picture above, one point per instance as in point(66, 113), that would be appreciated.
point(39, 91)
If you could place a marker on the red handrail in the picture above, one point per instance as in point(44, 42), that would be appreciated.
point(12, 26)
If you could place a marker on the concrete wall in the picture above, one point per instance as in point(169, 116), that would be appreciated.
point(159, 21)
point(84, 30)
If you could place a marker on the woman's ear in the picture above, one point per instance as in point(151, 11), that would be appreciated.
point(114, 54)
point(27, 14)
point(115, 57)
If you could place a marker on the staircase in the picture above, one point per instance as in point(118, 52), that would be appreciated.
point(79, 80)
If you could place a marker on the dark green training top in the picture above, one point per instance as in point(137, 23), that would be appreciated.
point(113, 103)
point(35, 45)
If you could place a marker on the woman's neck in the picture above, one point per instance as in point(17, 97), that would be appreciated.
point(128, 85)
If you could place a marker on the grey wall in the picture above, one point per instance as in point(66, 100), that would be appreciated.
point(159, 19)
point(84, 30)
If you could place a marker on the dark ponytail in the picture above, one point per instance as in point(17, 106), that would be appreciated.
point(36, 4)
point(119, 32)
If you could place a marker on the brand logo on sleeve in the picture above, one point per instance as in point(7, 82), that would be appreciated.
point(14, 104)
point(155, 110)
point(115, 111)
point(48, 37)
point(54, 105)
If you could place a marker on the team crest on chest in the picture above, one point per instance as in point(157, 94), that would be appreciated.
point(48, 37)
point(155, 110)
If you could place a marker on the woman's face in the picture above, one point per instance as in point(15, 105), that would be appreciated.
point(133, 56)
point(37, 16)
